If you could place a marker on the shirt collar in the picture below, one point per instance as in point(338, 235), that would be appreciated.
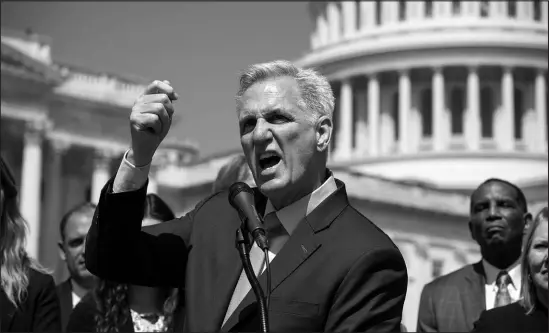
point(290, 215)
point(492, 273)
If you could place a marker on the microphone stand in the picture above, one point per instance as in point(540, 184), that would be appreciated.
point(243, 245)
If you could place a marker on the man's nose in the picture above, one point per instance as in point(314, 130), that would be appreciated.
point(494, 214)
point(262, 131)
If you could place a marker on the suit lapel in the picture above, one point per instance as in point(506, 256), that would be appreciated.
point(65, 298)
point(299, 248)
point(474, 295)
point(227, 270)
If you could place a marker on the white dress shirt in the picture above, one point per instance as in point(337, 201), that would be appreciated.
point(491, 286)
point(75, 299)
point(130, 177)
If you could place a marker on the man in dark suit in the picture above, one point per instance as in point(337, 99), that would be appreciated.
point(452, 303)
point(332, 268)
point(73, 228)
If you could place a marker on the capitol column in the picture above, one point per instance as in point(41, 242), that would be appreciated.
point(541, 110)
point(31, 183)
point(473, 128)
point(404, 100)
point(544, 12)
point(373, 115)
point(101, 173)
point(439, 137)
point(496, 9)
point(345, 132)
point(506, 137)
point(333, 21)
point(524, 10)
point(367, 15)
point(49, 256)
point(473, 8)
point(349, 18)
point(322, 29)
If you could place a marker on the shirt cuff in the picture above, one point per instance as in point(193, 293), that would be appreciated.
point(130, 177)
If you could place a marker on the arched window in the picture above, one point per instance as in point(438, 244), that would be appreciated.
point(438, 265)
point(537, 11)
point(487, 112)
point(512, 8)
point(395, 114)
point(518, 112)
point(484, 8)
point(378, 12)
point(429, 8)
point(358, 16)
point(427, 112)
point(456, 8)
point(402, 10)
point(457, 100)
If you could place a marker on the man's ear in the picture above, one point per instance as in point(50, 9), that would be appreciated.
point(61, 251)
point(527, 217)
point(324, 127)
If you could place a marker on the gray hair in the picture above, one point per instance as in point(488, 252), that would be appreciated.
point(316, 93)
point(528, 290)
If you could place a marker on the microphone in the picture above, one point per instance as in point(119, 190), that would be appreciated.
point(241, 197)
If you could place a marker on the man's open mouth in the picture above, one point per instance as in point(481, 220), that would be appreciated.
point(268, 160)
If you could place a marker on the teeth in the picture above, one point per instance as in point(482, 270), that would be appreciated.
point(267, 155)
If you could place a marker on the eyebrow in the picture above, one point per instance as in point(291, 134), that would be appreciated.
point(265, 113)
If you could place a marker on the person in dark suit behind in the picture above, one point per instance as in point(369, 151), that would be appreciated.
point(28, 302)
point(332, 268)
point(452, 303)
point(118, 307)
point(73, 229)
point(530, 313)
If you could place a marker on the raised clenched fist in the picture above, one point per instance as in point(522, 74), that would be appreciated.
point(150, 121)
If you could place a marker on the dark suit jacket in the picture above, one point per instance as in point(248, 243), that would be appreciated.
point(513, 318)
point(337, 272)
point(64, 292)
point(39, 312)
point(452, 303)
point(82, 318)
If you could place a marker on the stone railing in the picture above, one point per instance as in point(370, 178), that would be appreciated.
point(101, 88)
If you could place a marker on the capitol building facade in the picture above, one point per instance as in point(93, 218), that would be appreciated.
point(432, 98)
point(441, 93)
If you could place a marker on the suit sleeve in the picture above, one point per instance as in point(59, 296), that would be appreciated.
point(118, 249)
point(371, 296)
point(426, 317)
point(47, 316)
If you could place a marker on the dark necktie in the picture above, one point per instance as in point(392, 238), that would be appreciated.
point(502, 296)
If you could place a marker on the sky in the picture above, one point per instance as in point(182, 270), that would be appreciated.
point(200, 47)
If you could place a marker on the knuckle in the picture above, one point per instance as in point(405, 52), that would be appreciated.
point(158, 107)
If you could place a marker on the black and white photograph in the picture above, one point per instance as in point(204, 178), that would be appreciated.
point(320, 166)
